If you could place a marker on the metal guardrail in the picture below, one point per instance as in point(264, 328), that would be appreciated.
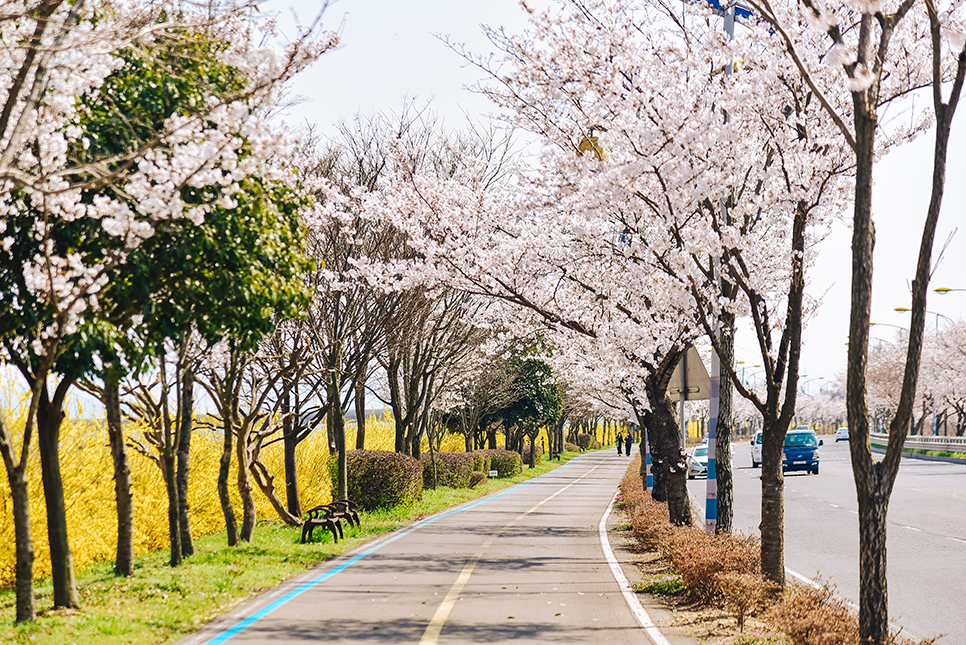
point(928, 442)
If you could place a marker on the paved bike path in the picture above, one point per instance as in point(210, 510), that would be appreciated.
point(524, 564)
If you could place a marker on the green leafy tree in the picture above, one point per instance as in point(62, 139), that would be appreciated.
point(540, 401)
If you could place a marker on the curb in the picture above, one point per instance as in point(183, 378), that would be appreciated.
point(655, 617)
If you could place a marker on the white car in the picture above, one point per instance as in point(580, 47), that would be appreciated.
point(698, 461)
point(756, 450)
point(842, 434)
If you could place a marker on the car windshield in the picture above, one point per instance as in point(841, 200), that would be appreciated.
point(801, 440)
point(701, 451)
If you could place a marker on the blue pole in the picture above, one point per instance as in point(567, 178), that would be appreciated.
point(647, 461)
point(711, 503)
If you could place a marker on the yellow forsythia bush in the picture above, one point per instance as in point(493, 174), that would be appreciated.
point(88, 475)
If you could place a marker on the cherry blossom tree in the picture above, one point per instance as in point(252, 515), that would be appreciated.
point(858, 60)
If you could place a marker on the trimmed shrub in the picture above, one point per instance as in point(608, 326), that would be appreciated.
point(811, 616)
point(584, 440)
point(571, 447)
point(595, 445)
point(453, 469)
point(744, 594)
point(649, 519)
point(701, 557)
point(505, 462)
point(380, 478)
point(477, 477)
point(537, 453)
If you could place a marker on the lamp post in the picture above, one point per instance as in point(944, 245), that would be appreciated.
point(804, 383)
point(935, 421)
point(933, 313)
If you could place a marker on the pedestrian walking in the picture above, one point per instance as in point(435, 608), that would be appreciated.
point(620, 442)
point(628, 442)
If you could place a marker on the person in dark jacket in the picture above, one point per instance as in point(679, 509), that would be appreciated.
point(628, 442)
point(620, 442)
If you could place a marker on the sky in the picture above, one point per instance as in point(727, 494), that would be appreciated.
point(393, 49)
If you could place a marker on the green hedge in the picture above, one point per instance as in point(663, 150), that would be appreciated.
point(584, 440)
point(505, 462)
point(453, 469)
point(538, 454)
point(381, 478)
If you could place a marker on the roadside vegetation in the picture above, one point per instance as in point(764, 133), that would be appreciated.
point(718, 576)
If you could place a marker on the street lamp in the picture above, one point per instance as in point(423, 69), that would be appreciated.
point(804, 383)
point(937, 315)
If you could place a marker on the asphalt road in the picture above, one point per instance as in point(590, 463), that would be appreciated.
point(926, 534)
point(525, 565)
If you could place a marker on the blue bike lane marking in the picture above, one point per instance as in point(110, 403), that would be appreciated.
point(298, 591)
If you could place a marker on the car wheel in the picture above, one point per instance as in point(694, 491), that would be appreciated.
point(690, 476)
point(754, 464)
point(815, 470)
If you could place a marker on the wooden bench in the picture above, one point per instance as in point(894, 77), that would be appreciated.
point(321, 516)
point(330, 516)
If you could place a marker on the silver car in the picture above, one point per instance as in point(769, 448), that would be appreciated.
point(756, 450)
point(842, 434)
point(698, 462)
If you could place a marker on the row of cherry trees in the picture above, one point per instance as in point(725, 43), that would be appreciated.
point(718, 166)
point(940, 396)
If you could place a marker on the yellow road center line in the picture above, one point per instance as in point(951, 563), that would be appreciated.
point(431, 635)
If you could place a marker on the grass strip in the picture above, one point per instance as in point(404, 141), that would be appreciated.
point(929, 453)
point(160, 604)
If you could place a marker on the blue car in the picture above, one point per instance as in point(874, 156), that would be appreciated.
point(801, 450)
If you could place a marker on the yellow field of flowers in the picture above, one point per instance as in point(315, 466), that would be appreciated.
point(89, 489)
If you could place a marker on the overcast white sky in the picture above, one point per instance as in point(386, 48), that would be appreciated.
point(390, 50)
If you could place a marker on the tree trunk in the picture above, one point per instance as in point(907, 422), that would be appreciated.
point(290, 440)
point(725, 429)
point(265, 481)
point(16, 477)
point(169, 466)
point(360, 387)
point(245, 483)
point(49, 417)
point(414, 443)
point(772, 525)
point(338, 426)
point(873, 588)
point(224, 466)
point(184, 448)
point(124, 560)
point(669, 457)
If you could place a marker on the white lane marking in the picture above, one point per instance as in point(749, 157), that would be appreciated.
point(911, 528)
point(957, 540)
point(834, 505)
point(431, 635)
point(802, 578)
point(632, 601)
